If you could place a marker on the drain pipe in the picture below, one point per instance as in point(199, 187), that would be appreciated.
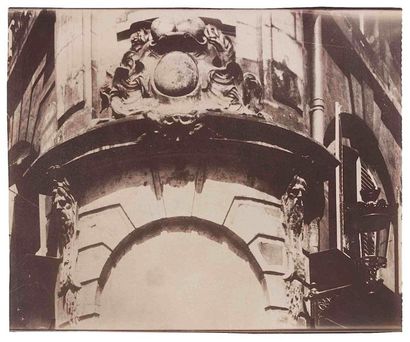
point(317, 105)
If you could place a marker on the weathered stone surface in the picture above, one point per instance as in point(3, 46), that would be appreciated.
point(242, 214)
point(335, 88)
point(87, 299)
point(91, 261)
point(62, 243)
point(176, 74)
point(276, 293)
point(133, 190)
point(357, 101)
point(106, 226)
point(235, 63)
point(69, 60)
point(178, 188)
point(270, 254)
point(44, 135)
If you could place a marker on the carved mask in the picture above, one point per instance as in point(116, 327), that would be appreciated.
point(63, 210)
point(293, 204)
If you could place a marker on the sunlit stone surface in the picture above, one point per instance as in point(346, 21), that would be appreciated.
point(183, 281)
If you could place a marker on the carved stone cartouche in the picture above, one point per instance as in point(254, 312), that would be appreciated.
point(180, 66)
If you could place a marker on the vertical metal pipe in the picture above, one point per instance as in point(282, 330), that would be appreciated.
point(339, 179)
point(317, 106)
point(43, 225)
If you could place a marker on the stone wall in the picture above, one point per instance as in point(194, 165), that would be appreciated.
point(257, 66)
point(219, 193)
point(99, 41)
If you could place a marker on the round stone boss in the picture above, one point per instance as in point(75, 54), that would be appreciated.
point(176, 74)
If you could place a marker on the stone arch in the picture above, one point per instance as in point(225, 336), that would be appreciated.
point(219, 233)
point(152, 229)
point(232, 199)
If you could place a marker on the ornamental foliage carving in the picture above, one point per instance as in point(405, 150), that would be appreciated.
point(180, 66)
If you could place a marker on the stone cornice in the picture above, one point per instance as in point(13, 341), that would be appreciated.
point(207, 133)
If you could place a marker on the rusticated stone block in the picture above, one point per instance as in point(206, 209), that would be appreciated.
point(270, 254)
point(107, 225)
point(248, 217)
point(276, 292)
point(91, 261)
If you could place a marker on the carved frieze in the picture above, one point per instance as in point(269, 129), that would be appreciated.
point(63, 225)
point(180, 66)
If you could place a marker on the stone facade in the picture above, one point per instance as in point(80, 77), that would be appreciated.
point(139, 134)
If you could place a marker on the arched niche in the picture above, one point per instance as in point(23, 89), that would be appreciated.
point(182, 273)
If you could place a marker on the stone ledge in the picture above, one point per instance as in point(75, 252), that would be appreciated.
point(145, 138)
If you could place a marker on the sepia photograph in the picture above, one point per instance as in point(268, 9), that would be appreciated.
point(205, 170)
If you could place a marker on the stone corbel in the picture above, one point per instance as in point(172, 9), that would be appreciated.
point(63, 241)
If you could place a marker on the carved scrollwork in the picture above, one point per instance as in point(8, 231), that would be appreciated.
point(63, 224)
point(128, 79)
point(228, 80)
point(222, 44)
point(223, 79)
point(177, 66)
point(252, 92)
